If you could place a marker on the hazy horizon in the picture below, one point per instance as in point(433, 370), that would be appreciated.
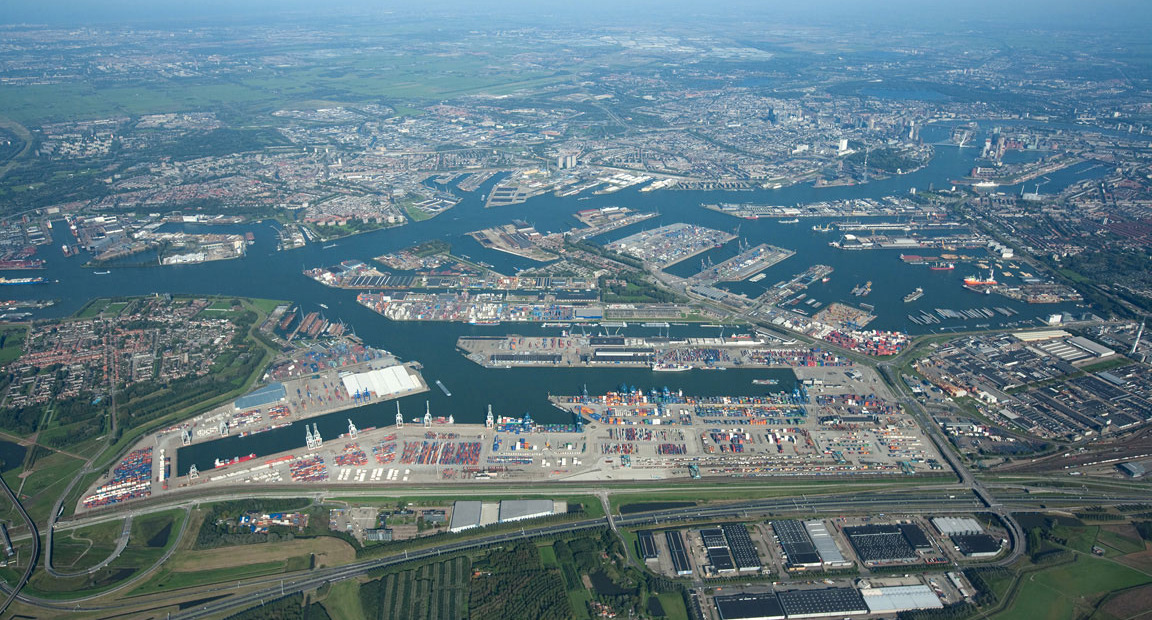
point(1052, 14)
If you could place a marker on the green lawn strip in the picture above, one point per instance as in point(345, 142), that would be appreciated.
point(673, 605)
point(166, 580)
point(579, 600)
point(548, 555)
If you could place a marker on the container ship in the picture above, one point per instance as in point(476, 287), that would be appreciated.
point(234, 460)
point(22, 264)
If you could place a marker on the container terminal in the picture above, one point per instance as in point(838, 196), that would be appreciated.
point(836, 421)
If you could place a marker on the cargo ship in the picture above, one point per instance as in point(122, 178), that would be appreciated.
point(914, 295)
point(235, 460)
point(978, 281)
point(17, 281)
point(913, 259)
point(942, 266)
point(765, 381)
point(22, 264)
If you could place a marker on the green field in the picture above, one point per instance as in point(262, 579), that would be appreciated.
point(1071, 590)
point(11, 342)
point(348, 79)
point(150, 537)
point(165, 580)
point(343, 600)
point(83, 548)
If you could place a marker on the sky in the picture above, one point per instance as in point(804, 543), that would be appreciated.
point(1097, 14)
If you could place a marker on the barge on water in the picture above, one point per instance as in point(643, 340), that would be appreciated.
point(440, 385)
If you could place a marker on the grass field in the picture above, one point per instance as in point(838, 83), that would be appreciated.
point(47, 480)
point(84, 548)
point(328, 551)
point(1070, 590)
point(166, 579)
point(673, 605)
point(11, 342)
point(343, 601)
point(1119, 539)
point(350, 79)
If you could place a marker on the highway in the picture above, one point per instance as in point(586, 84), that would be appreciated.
point(14, 592)
point(269, 588)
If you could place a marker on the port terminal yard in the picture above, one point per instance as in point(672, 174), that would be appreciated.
point(836, 421)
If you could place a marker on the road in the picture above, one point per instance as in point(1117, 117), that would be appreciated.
point(940, 501)
point(14, 592)
point(891, 376)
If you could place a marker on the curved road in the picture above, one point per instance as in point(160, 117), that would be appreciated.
point(273, 587)
point(14, 592)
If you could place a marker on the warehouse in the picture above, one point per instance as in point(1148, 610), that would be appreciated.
point(713, 538)
point(977, 545)
point(465, 515)
point(743, 549)
point(749, 607)
point(900, 598)
point(880, 543)
point(647, 543)
point(679, 555)
point(721, 560)
point(267, 395)
point(825, 545)
point(799, 552)
point(826, 603)
point(957, 526)
point(382, 382)
point(520, 509)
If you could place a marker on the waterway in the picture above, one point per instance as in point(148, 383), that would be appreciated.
point(264, 272)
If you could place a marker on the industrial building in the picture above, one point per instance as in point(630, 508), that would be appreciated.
point(381, 382)
point(896, 599)
point(749, 607)
point(647, 543)
point(799, 551)
point(825, 545)
point(880, 543)
point(740, 544)
point(825, 603)
point(679, 554)
point(267, 395)
point(521, 509)
point(957, 526)
point(976, 545)
point(469, 514)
